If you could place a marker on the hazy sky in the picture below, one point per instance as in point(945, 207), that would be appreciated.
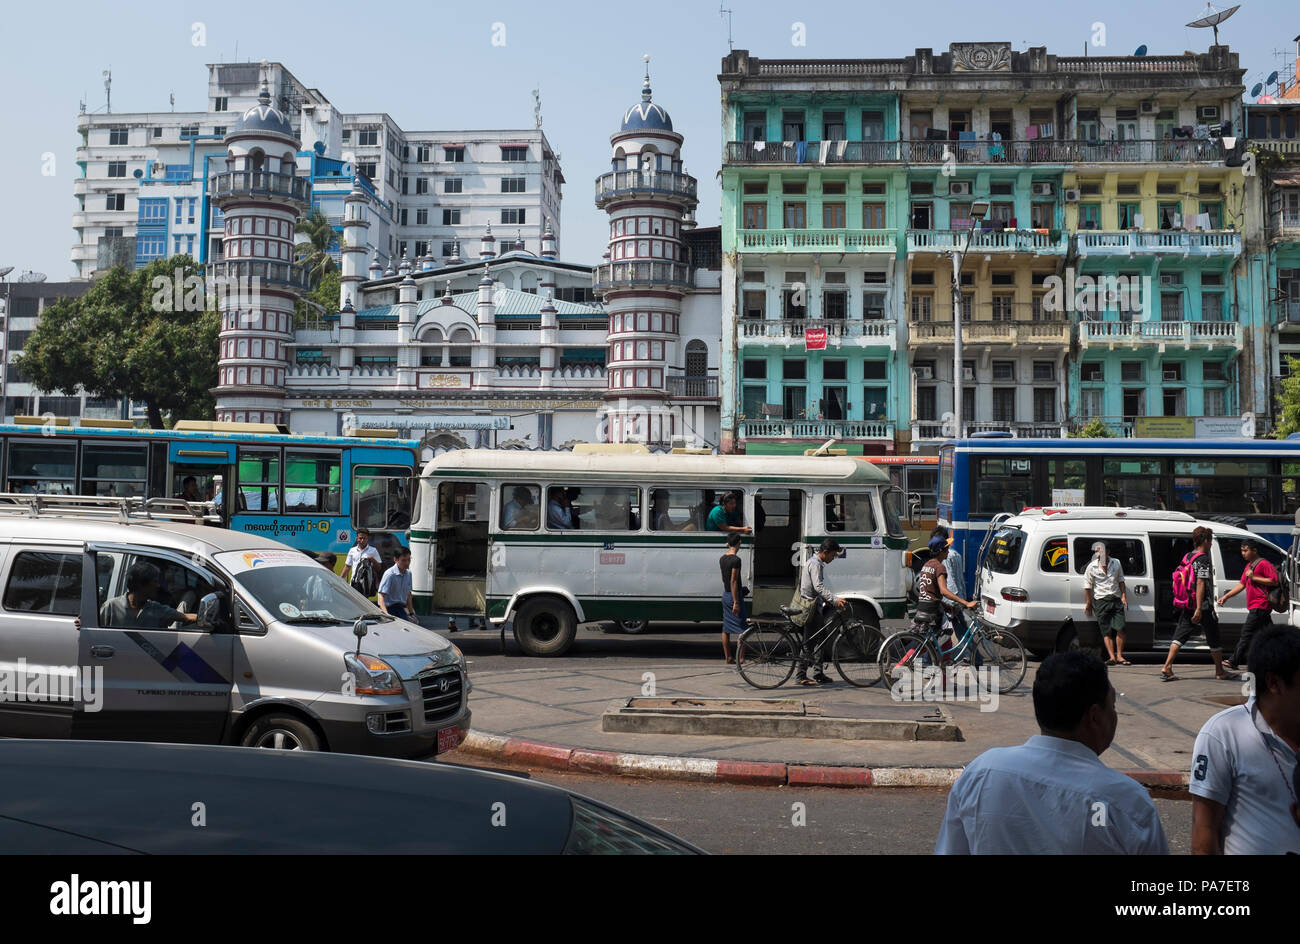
point(434, 66)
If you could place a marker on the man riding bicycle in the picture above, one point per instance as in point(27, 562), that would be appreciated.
point(932, 587)
point(812, 590)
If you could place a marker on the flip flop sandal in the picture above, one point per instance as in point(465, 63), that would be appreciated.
point(1112, 662)
point(807, 682)
point(1231, 677)
point(1169, 677)
point(1125, 662)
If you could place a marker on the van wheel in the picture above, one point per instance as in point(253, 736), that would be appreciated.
point(282, 732)
point(545, 626)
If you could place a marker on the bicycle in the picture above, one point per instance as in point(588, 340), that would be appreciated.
point(919, 646)
point(767, 654)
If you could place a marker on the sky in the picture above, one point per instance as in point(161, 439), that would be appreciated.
point(434, 66)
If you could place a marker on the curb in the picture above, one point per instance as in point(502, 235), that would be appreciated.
point(511, 750)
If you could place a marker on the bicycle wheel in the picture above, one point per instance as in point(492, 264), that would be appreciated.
point(856, 653)
point(900, 655)
point(765, 656)
point(1003, 651)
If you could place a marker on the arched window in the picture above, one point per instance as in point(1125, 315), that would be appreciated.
point(697, 359)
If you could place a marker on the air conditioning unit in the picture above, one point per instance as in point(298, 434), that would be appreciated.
point(1150, 107)
point(959, 188)
point(1072, 195)
point(1044, 188)
point(1170, 278)
point(924, 373)
point(1207, 112)
point(1171, 375)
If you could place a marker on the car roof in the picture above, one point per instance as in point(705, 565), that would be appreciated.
point(1097, 518)
point(156, 533)
point(265, 801)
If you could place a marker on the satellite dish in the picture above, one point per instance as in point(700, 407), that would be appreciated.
point(32, 277)
point(5, 271)
point(137, 173)
point(1141, 50)
point(1213, 18)
point(1259, 87)
point(1272, 78)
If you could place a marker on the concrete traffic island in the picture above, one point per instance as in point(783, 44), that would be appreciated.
point(775, 718)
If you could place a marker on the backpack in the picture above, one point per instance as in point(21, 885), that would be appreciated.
point(1279, 598)
point(1185, 581)
point(363, 577)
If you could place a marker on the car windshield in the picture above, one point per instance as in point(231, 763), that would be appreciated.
point(305, 594)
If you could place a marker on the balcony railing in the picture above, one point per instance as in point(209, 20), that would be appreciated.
point(1007, 240)
point(932, 429)
point(693, 388)
point(631, 182)
point(616, 275)
point(1010, 151)
point(1285, 223)
point(1174, 241)
point(278, 273)
point(882, 332)
point(817, 429)
point(1045, 332)
point(259, 183)
point(818, 240)
point(1187, 333)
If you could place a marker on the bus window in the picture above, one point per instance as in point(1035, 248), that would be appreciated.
point(1290, 488)
point(850, 513)
point(117, 471)
point(1004, 485)
point(42, 467)
point(946, 459)
point(520, 507)
point(1132, 483)
point(924, 483)
point(600, 508)
point(1069, 474)
point(1221, 486)
point(259, 480)
point(381, 497)
point(675, 509)
point(312, 482)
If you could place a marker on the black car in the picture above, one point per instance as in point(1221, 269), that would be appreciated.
point(180, 798)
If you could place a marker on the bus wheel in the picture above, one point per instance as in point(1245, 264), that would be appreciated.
point(545, 626)
point(863, 612)
point(632, 627)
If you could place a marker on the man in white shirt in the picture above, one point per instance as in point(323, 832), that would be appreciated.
point(1052, 794)
point(1243, 781)
point(360, 551)
point(1105, 598)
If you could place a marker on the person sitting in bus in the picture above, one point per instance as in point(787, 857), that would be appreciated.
point(136, 608)
point(520, 514)
point(660, 508)
point(559, 511)
point(190, 489)
point(726, 516)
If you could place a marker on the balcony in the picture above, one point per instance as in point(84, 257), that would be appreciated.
point(818, 430)
point(872, 333)
point(999, 241)
point(1284, 224)
point(631, 183)
point(271, 273)
point(1204, 334)
point(817, 240)
point(935, 430)
point(253, 183)
point(1043, 333)
point(1169, 241)
point(1012, 152)
point(630, 276)
point(693, 388)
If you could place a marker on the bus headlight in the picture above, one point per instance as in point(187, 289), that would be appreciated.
point(372, 676)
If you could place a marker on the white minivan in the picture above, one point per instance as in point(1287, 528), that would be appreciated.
point(1030, 574)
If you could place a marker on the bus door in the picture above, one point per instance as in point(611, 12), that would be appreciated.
point(461, 547)
point(778, 522)
point(210, 464)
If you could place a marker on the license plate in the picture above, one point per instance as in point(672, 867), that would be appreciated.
point(448, 739)
point(989, 605)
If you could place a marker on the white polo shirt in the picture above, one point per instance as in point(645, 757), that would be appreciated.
point(1231, 765)
point(1048, 796)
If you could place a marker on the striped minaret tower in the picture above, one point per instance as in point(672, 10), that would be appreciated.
point(261, 198)
point(645, 277)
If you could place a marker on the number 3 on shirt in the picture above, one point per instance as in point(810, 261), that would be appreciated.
point(1202, 762)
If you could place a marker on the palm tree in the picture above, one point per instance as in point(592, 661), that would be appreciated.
point(314, 255)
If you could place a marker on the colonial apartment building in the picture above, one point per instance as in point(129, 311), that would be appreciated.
point(849, 190)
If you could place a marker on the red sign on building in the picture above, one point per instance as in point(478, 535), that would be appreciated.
point(814, 339)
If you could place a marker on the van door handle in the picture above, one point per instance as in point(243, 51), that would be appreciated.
point(102, 652)
point(1140, 588)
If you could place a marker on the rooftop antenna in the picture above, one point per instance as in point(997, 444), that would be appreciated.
point(722, 11)
point(172, 98)
point(537, 108)
point(108, 90)
point(1213, 18)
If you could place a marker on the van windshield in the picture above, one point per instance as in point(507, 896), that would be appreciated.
point(305, 594)
point(1005, 550)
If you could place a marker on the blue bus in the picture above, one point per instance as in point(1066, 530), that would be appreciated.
point(1253, 483)
point(310, 492)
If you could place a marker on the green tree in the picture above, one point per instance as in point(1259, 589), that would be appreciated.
point(1289, 415)
point(326, 295)
point(150, 335)
point(314, 254)
point(1093, 429)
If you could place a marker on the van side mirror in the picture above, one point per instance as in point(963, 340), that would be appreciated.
point(209, 612)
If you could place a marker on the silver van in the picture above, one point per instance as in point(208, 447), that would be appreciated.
point(271, 649)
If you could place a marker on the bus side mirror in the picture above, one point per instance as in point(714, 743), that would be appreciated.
point(913, 508)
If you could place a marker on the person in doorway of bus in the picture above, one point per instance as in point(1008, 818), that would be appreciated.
point(813, 590)
point(1199, 613)
point(1258, 578)
point(395, 587)
point(726, 516)
point(361, 554)
point(734, 615)
point(1105, 598)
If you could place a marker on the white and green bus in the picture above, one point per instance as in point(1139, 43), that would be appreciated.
point(543, 541)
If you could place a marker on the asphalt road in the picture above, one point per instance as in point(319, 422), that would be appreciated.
point(732, 820)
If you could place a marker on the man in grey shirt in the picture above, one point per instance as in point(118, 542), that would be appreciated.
point(135, 609)
point(812, 589)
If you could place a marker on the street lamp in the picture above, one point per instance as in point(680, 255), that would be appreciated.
point(978, 210)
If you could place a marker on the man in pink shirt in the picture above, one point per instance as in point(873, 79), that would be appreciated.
point(1258, 578)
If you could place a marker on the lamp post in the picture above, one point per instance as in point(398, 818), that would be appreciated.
point(978, 210)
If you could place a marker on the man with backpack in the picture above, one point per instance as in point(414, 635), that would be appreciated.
point(362, 564)
point(1194, 602)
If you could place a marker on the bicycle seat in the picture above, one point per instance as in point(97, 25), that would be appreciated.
point(790, 611)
